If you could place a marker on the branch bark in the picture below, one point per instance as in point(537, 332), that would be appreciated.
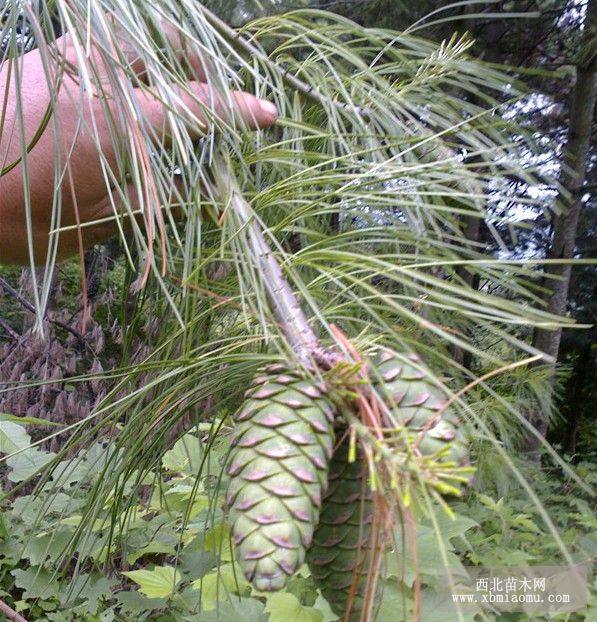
point(283, 301)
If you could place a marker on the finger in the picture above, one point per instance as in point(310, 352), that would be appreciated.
point(194, 63)
point(255, 113)
point(174, 41)
point(200, 102)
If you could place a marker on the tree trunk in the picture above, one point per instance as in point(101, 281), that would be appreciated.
point(582, 105)
point(577, 394)
point(472, 232)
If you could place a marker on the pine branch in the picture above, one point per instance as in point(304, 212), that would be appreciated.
point(237, 40)
point(282, 299)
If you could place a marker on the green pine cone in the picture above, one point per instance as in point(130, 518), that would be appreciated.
point(340, 557)
point(415, 400)
point(278, 473)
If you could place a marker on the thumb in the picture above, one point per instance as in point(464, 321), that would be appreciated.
point(111, 215)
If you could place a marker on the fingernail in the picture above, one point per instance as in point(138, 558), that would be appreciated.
point(269, 108)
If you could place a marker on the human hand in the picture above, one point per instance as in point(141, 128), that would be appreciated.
point(83, 131)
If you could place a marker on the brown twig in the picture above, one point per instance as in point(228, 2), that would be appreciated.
point(8, 328)
point(10, 613)
point(27, 305)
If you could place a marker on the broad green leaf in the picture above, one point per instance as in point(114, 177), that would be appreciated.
point(217, 586)
point(429, 561)
point(46, 547)
point(283, 607)
point(70, 472)
point(75, 520)
point(196, 563)
point(321, 604)
point(88, 465)
point(12, 437)
point(88, 590)
point(200, 503)
point(47, 605)
point(36, 582)
point(303, 588)
point(237, 610)
point(217, 540)
point(106, 616)
point(160, 582)
point(438, 607)
point(30, 508)
point(185, 457)
point(451, 528)
point(154, 546)
point(178, 498)
point(396, 604)
point(135, 602)
point(26, 463)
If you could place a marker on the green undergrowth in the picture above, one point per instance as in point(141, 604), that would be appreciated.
point(168, 557)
